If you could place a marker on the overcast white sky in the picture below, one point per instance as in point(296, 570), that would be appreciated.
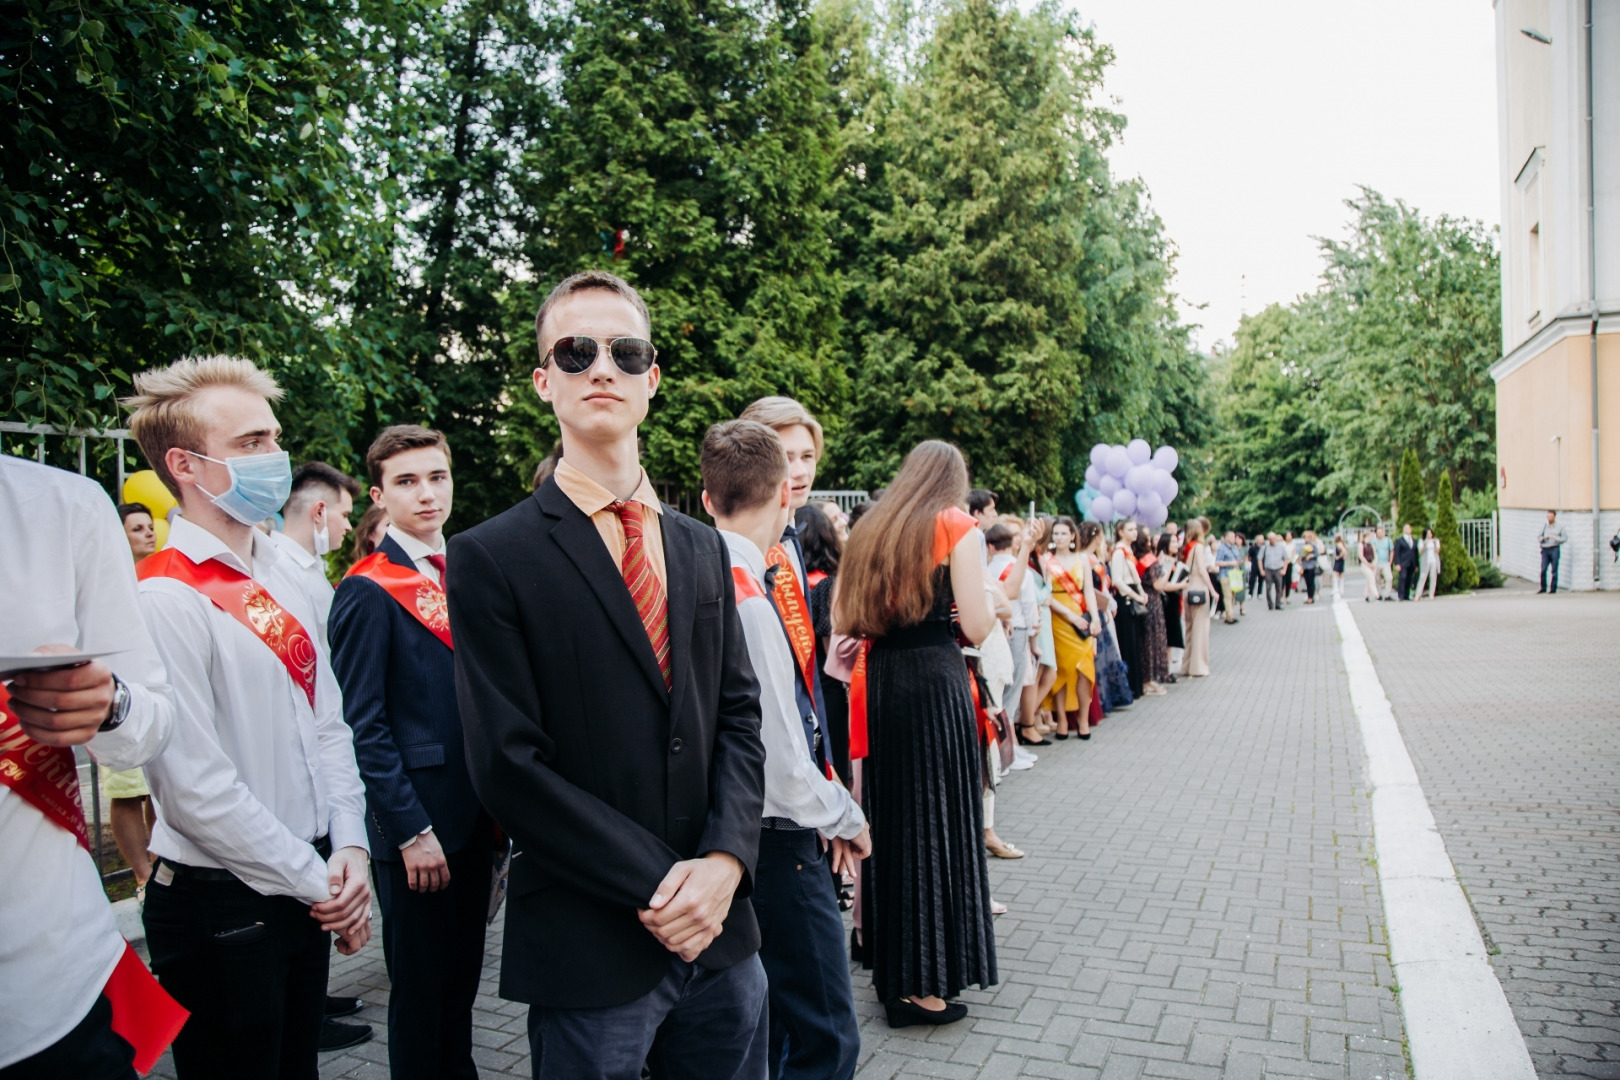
point(1252, 120)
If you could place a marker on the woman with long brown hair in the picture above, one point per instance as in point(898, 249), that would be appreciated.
point(909, 560)
point(1199, 595)
point(1075, 626)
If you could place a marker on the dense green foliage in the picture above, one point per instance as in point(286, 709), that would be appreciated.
point(906, 221)
point(1410, 508)
point(1391, 353)
point(1458, 571)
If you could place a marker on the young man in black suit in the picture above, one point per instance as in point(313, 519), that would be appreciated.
point(1405, 560)
point(612, 724)
point(393, 655)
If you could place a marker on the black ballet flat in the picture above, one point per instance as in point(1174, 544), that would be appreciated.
point(907, 1013)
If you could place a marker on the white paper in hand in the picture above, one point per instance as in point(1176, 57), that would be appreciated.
point(11, 666)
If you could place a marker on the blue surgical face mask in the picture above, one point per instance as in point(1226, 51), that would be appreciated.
point(260, 484)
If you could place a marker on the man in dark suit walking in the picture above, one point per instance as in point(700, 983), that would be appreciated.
point(393, 655)
point(1404, 556)
point(612, 723)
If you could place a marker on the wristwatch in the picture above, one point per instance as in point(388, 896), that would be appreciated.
point(120, 706)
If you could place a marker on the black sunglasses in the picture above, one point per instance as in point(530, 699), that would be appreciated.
point(576, 353)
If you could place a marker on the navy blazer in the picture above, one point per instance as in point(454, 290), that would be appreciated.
point(399, 696)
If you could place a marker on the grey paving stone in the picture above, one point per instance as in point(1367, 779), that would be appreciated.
point(1507, 702)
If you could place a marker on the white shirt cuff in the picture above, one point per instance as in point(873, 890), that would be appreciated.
point(415, 838)
point(348, 830)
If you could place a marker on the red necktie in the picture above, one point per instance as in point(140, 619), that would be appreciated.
point(437, 562)
point(645, 589)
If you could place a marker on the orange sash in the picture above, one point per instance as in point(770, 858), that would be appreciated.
point(47, 779)
point(246, 601)
point(815, 577)
point(1061, 575)
point(417, 593)
point(950, 525)
point(746, 587)
point(795, 612)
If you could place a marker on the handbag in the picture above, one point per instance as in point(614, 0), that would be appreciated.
point(1197, 597)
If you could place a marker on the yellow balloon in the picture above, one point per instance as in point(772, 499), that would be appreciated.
point(145, 488)
point(160, 527)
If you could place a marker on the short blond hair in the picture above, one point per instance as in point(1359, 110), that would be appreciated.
point(163, 411)
point(777, 413)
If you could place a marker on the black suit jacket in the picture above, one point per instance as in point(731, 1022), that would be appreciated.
point(603, 777)
point(399, 696)
point(1405, 552)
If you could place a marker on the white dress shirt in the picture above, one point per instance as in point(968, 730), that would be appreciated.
point(68, 579)
point(1023, 608)
point(310, 570)
point(795, 788)
point(418, 552)
point(253, 774)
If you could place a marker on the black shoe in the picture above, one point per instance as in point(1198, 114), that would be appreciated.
point(907, 1013)
point(1026, 741)
point(1059, 735)
point(1541, 591)
point(1170, 679)
point(336, 1036)
point(1087, 735)
point(342, 1006)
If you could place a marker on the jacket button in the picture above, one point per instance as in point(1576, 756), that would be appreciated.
point(675, 746)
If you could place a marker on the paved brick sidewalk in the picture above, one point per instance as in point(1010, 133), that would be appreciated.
point(1198, 901)
point(1509, 703)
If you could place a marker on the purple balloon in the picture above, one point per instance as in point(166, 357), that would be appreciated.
point(1154, 519)
point(1142, 478)
point(1093, 474)
point(1168, 488)
point(1125, 504)
point(1166, 458)
point(1102, 508)
point(1147, 503)
point(1099, 454)
point(1139, 451)
point(1118, 464)
point(1109, 486)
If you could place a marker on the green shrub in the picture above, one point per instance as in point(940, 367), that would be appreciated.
point(1490, 575)
point(1409, 510)
point(1457, 570)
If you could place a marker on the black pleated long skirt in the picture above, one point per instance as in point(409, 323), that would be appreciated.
point(931, 930)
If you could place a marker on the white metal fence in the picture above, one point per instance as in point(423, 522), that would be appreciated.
point(846, 500)
point(1479, 536)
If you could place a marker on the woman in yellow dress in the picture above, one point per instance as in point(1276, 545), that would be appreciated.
point(1074, 625)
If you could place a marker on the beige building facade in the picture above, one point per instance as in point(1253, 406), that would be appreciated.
point(1558, 381)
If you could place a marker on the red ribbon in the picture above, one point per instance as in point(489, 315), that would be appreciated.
point(417, 593)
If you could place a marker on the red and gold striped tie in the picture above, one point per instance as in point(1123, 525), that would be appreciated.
point(645, 589)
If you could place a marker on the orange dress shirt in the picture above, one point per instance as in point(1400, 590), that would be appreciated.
point(596, 502)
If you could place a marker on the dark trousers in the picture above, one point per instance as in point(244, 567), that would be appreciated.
point(813, 1034)
point(250, 968)
point(1408, 579)
point(1310, 583)
point(91, 1051)
point(1549, 559)
point(433, 946)
point(695, 1025)
point(1275, 592)
point(1256, 580)
point(1130, 629)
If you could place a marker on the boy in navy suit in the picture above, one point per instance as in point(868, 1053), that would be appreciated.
point(393, 654)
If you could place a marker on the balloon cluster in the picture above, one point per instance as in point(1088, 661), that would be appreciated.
point(1130, 481)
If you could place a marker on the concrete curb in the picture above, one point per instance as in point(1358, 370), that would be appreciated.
point(1459, 1025)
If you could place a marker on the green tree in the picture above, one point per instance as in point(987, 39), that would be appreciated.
point(1457, 570)
point(1268, 451)
point(1410, 509)
point(700, 137)
point(1414, 305)
point(177, 180)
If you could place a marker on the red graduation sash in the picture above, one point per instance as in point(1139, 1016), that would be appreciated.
point(1061, 575)
point(417, 593)
point(815, 577)
point(246, 601)
point(47, 778)
point(746, 587)
point(795, 612)
point(950, 525)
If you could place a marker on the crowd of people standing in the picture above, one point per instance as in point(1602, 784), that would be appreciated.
point(673, 752)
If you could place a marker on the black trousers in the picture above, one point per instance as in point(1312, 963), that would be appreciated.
point(433, 945)
point(250, 968)
point(1130, 629)
point(1408, 579)
point(1310, 583)
point(91, 1051)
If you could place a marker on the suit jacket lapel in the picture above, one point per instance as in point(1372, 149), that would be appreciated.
point(396, 554)
point(678, 563)
point(576, 535)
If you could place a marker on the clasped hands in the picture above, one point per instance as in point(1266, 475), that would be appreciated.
point(689, 908)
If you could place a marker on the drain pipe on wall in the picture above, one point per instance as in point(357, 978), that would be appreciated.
point(1592, 288)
